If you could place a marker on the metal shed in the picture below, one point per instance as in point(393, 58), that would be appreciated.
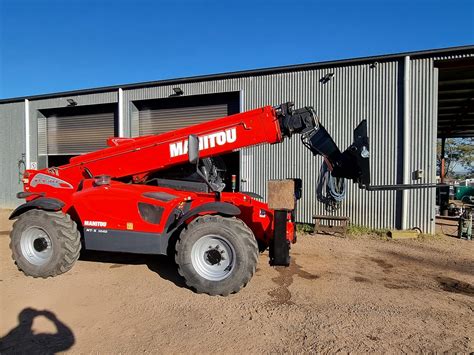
point(409, 100)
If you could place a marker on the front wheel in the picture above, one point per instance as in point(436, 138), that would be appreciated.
point(216, 255)
point(44, 243)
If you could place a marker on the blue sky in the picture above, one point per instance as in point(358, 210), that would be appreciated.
point(58, 45)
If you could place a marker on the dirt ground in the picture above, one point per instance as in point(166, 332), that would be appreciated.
point(339, 295)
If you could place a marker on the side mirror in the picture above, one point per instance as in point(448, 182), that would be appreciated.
point(193, 149)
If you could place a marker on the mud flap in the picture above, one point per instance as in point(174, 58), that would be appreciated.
point(280, 246)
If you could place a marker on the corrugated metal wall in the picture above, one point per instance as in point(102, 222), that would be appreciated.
point(354, 93)
point(12, 150)
point(423, 127)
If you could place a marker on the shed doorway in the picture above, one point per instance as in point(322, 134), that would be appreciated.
point(455, 128)
point(157, 116)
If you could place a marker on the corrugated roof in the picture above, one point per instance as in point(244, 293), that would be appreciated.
point(255, 72)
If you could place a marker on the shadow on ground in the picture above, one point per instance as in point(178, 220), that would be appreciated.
point(163, 265)
point(418, 262)
point(22, 340)
point(449, 284)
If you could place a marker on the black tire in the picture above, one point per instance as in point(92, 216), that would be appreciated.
point(238, 240)
point(55, 249)
point(467, 199)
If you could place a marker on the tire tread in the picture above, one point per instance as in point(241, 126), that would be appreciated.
point(244, 232)
point(69, 238)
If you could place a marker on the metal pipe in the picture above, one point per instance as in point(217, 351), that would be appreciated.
point(120, 113)
point(406, 137)
point(443, 160)
point(428, 185)
point(27, 134)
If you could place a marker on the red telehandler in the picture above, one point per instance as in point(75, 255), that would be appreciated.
point(163, 194)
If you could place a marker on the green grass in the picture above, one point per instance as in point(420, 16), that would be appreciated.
point(352, 231)
point(304, 228)
point(355, 230)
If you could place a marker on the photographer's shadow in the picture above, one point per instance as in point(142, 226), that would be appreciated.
point(21, 339)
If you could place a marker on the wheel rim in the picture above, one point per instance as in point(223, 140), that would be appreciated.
point(36, 245)
point(213, 257)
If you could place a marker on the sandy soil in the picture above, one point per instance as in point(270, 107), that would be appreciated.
point(339, 295)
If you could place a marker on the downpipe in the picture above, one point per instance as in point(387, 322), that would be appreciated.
point(406, 139)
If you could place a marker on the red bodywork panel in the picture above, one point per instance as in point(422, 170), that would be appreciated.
point(115, 207)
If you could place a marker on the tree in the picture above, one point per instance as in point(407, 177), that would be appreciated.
point(459, 155)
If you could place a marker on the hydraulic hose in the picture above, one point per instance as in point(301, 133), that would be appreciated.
point(330, 190)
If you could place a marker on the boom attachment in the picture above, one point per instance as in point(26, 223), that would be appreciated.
point(352, 164)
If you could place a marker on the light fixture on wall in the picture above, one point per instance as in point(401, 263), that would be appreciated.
point(326, 78)
point(71, 102)
point(177, 92)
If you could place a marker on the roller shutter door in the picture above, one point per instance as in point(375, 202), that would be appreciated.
point(154, 121)
point(75, 134)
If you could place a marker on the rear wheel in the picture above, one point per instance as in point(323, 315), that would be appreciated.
point(467, 199)
point(216, 255)
point(45, 243)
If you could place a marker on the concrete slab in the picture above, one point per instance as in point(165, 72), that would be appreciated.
point(403, 234)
